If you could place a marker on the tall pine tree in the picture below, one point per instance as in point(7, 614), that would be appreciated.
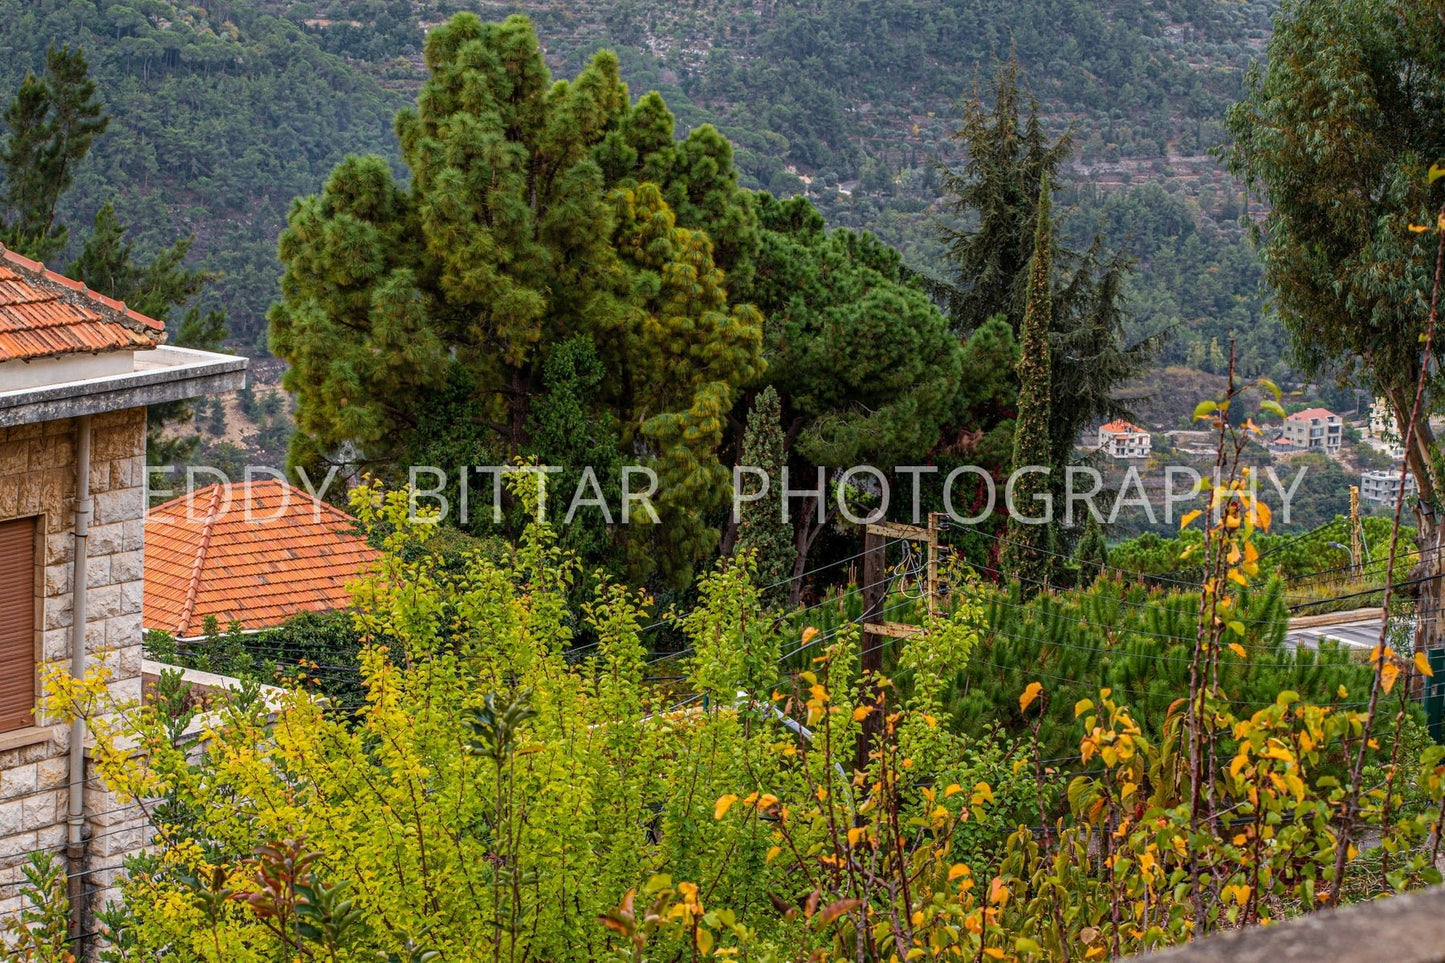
point(536, 213)
point(761, 526)
point(1026, 555)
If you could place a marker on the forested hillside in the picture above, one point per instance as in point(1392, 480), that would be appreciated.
point(223, 112)
point(219, 117)
point(855, 102)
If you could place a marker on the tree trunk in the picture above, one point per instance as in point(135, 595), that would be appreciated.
point(1424, 579)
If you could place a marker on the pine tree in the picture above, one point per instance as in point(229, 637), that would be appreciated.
point(537, 213)
point(53, 121)
point(761, 528)
point(107, 263)
point(1025, 555)
point(863, 363)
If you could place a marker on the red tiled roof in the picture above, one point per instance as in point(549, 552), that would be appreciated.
point(44, 314)
point(1323, 414)
point(1119, 427)
point(205, 555)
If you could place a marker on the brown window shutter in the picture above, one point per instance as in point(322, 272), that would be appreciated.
point(17, 624)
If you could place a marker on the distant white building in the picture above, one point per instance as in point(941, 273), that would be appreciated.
point(1121, 439)
point(1384, 429)
point(1383, 487)
point(1314, 429)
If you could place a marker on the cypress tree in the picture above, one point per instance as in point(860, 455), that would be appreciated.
point(1093, 553)
point(1025, 553)
point(761, 527)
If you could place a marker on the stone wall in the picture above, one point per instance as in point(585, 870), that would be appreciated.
point(1398, 929)
point(37, 478)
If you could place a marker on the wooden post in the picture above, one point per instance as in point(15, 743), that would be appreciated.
point(932, 587)
point(870, 659)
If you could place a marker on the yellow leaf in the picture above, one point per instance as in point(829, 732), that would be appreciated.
point(724, 803)
point(1082, 706)
point(1422, 665)
point(773, 853)
point(861, 713)
point(809, 634)
point(1031, 692)
point(1419, 228)
point(993, 952)
point(953, 790)
point(982, 793)
point(1266, 516)
point(1388, 673)
point(1189, 517)
point(956, 870)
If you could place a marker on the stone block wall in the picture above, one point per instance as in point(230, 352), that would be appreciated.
point(37, 479)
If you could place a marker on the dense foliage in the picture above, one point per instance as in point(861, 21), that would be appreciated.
point(491, 798)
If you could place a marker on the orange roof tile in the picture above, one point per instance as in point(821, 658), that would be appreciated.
point(1119, 427)
point(1324, 414)
point(44, 314)
point(257, 554)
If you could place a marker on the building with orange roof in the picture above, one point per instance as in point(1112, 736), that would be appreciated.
point(77, 372)
point(256, 553)
point(1123, 439)
point(1314, 429)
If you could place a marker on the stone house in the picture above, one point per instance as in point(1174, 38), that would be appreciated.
point(77, 372)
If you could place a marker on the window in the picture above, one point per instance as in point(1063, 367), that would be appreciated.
point(17, 624)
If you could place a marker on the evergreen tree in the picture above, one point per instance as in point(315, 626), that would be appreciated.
point(761, 527)
point(1025, 555)
point(108, 264)
point(53, 121)
point(536, 213)
point(566, 432)
point(996, 195)
point(1093, 551)
point(864, 365)
point(1011, 160)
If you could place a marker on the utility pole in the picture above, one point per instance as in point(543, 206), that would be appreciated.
point(876, 629)
point(1356, 554)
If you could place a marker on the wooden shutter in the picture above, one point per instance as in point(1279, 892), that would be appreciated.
point(17, 624)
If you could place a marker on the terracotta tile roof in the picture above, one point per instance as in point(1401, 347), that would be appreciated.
point(1121, 427)
point(1323, 414)
point(291, 554)
point(44, 314)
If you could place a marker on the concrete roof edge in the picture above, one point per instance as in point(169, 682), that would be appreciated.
point(170, 374)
